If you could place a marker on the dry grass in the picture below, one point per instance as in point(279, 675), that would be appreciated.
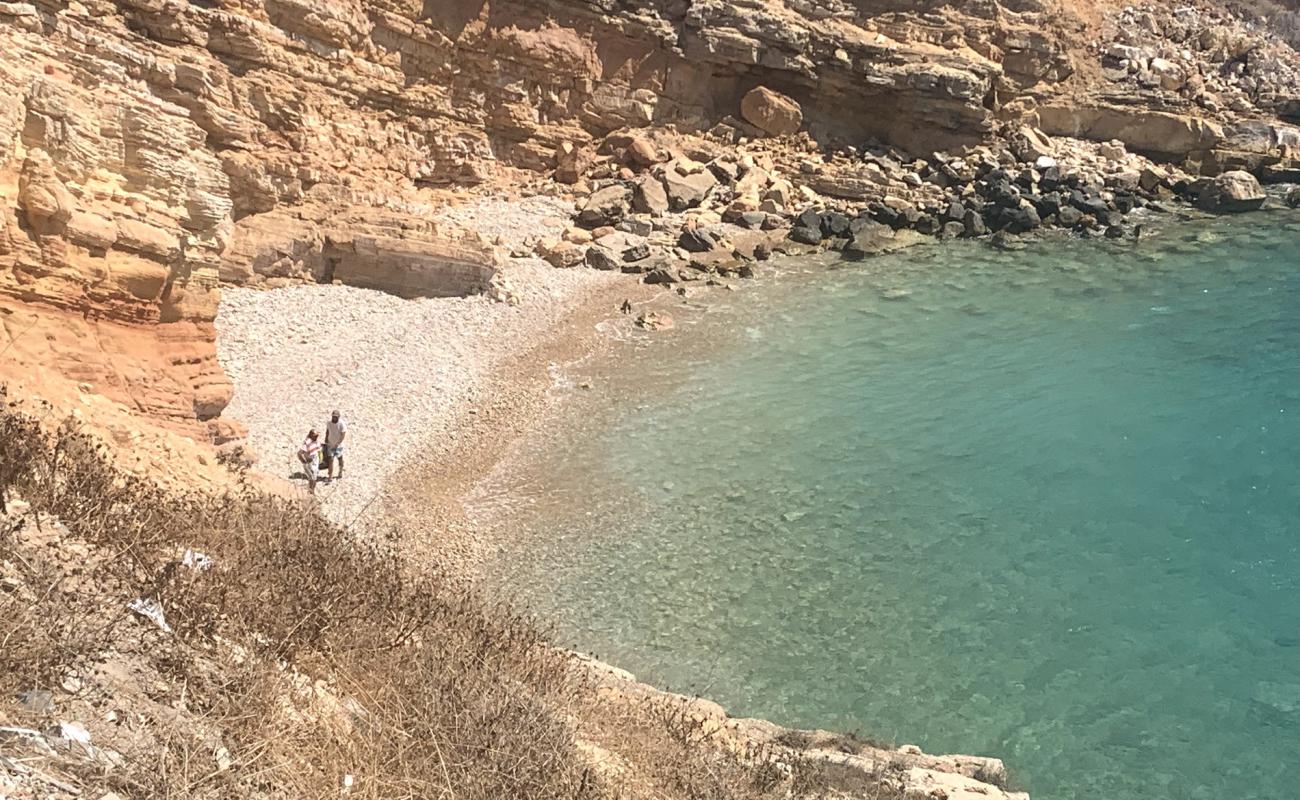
point(306, 658)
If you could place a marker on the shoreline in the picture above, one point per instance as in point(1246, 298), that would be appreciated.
point(422, 497)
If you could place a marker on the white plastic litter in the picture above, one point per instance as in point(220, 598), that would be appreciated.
point(199, 562)
point(70, 731)
point(149, 609)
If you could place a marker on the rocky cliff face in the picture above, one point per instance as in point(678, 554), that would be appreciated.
point(151, 150)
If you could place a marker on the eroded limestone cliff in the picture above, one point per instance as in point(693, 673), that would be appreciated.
point(151, 150)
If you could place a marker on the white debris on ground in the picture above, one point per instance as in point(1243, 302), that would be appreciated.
point(400, 371)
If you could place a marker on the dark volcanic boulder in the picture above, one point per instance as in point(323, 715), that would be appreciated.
point(884, 215)
point(1089, 204)
point(907, 217)
point(1003, 194)
point(1069, 217)
point(1022, 220)
point(805, 235)
point(1048, 204)
point(927, 224)
point(834, 223)
point(1051, 179)
point(809, 218)
point(636, 252)
point(973, 222)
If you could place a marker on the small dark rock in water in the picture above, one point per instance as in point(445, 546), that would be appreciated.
point(1293, 197)
point(927, 225)
point(762, 252)
point(1115, 232)
point(806, 235)
point(1005, 241)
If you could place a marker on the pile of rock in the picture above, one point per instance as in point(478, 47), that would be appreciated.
point(671, 213)
point(1211, 58)
point(694, 207)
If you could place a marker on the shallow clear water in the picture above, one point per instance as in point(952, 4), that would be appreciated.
point(1045, 507)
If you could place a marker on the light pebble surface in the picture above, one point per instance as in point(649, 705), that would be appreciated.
point(401, 371)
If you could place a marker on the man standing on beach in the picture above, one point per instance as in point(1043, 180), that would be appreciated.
point(336, 430)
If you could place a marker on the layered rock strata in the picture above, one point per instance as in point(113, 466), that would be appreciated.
point(152, 149)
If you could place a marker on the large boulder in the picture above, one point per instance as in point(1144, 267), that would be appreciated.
point(572, 162)
point(649, 197)
point(687, 183)
point(1143, 131)
point(606, 206)
point(1231, 192)
point(868, 236)
point(771, 112)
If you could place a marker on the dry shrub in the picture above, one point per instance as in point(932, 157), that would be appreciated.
point(309, 657)
point(317, 656)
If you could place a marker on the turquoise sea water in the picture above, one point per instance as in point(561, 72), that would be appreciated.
point(1045, 507)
